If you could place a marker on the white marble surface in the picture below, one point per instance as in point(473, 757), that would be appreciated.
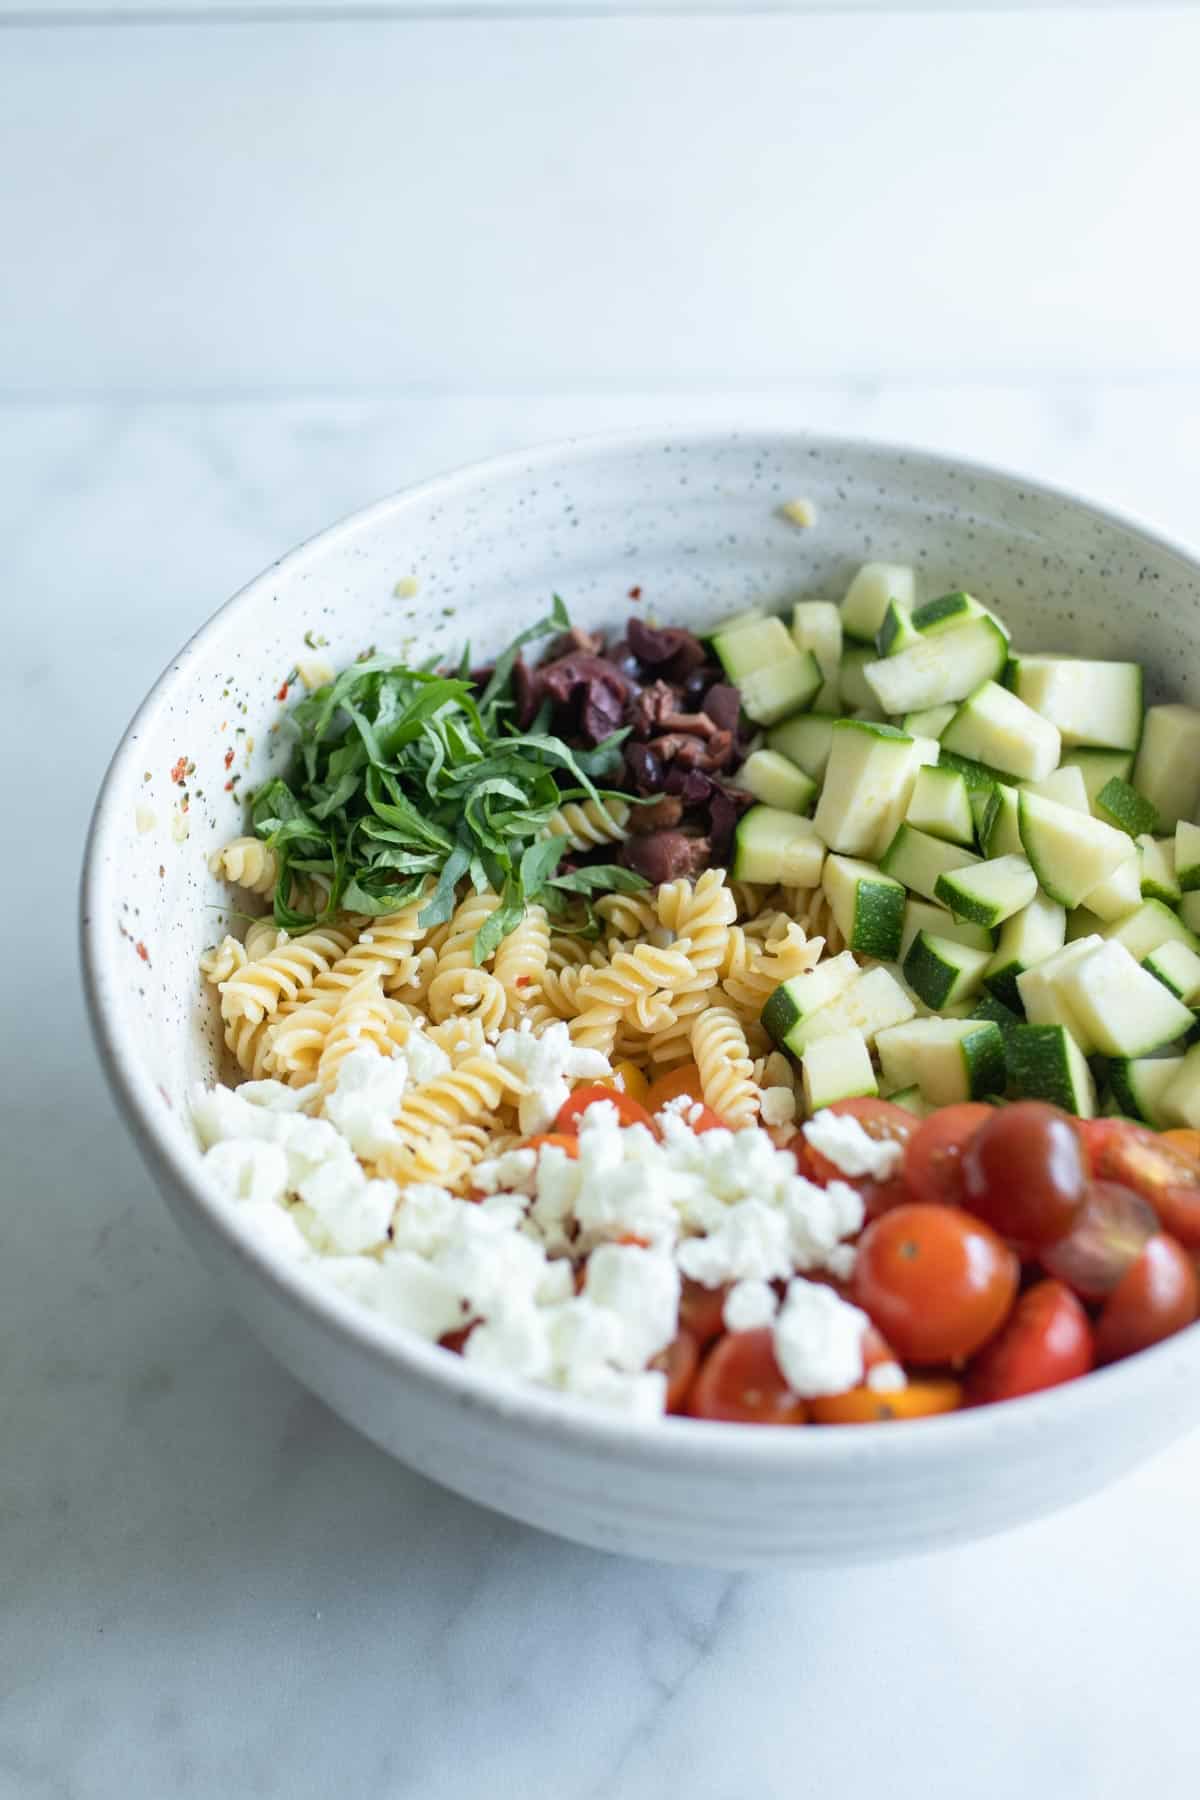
point(209, 1586)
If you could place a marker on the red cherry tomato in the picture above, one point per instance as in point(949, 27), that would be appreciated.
point(629, 1112)
point(1109, 1235)
point(864, 1406)
point(679, 1362)
point(566, 1141)
point(1155, 1298)
point(886, 1124)
point(1023, 1171)
point(1047, 1340)
point(936, 1282)
point(702, 1310)
point(933, 1165)
point(740, 1380)
point(1159, 1168)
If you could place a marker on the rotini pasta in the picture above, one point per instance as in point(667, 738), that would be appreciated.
point(521, 962)
point(365, 1016)
point(248, 863)
point(607, 994)
point(223, 960)
point(703, 913)
point(256, 991)
point(458, 985)
point(750, 986)
point(587, 823)
point(722, 1056)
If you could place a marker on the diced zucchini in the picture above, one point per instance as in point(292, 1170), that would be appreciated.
point(949, 611)
point(941, 972)
point(1187, 856)
point(871, 769)
point(993, 726)
point(1067, 786)
point(1180, 1100)
point(1045, 1063)
point(989, 892)
point(870, 1004)
point(1030, 937)
point(1177, 966)
point(856, 689)
point(895, 630)
point(805, 741)
point(1121, 1007)
point(799, 998)
point(949, 1059)
point(1000, 828)
point(913, 1101)
point(1119, 893)
point(1070, 851)
point(1093, 703)
point(1148, 928)
point(1167, 770)
point(919, 861)
point(817, 626)
point(1040, 992)
point(931, 722)
point(921, 915)
point(1158, 870)
point(1189, 911)
point(776, 781)
point(751, 641)
point(836, 1068)
point(867, 906)
point(1121, 805)
point(941, 807)
point(1139, 1083)
point(1097, 767)
point(868, 595)
point(947, 666)
point(749, 615)
point(1082, 923)
point(774, 846)
point(988, 1007)
point(780, 689)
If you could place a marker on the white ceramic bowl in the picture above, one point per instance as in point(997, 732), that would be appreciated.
point(694, 521)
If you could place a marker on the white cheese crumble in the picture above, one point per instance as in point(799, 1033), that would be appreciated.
point(886, 1378)
point(546, 1065)
point(778, 1106)
point(749, 1305)
point(818, 1339)
point(841, 1138)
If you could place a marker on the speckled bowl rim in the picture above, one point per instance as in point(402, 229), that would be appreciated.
point(659, 1444)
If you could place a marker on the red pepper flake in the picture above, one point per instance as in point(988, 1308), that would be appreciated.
point(229, 758)
point(142, 951)
point(522, 981)
point(228, 784)
point(635, 593)
point(179, 771)
point(283, 691)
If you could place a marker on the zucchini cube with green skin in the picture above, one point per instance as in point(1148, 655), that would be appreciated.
point(777, 847)
point(751, 641)
point(929, 723)
point(1178, 968)
point(1121, 805)
point(1097, 767)
point(1121, 1007)
point(1158, 876)
point(777, 782)
point(1066, 785)
point(1138, 1084)
point(779, 689)
point(1189, 912)
point(1167, 770)
point(1070, 852)
point(896, 630)
point(871, 769)
point(867, 906)
point(946, 666)
point(1091, 702)
point(869, 1005)
point(988, 1007)
point(921, 915)
point(941, 806)
point(919, 861)
point(993, 726)
point(948, 1059)
point(805, 740)
point(1118, 894)
point(1148, 928)
point(1046, 1063)
point(868, 596)
point(817, 626)
point(947, 611)
point(1040, 992)
point(1000, 831)
point(989, 892)
point(836, 1068)
point(801, 996)
point(1030, 937)
point(1180, 1101)
point(1187, 856)
point(856, 690)
point(941, 972)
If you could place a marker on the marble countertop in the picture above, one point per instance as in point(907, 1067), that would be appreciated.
point(211, 1587)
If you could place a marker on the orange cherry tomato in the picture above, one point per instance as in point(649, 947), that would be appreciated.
point(1155, 1298)
point(629, 1111)
point(740, 1380)
point(1161, 1169)
point(562, 1140)
point(1047, 1340)
point(628, 1079)
point(933, 1164)
point(685, 1080)
point(936, 1282)
point(679, 1362)
point(863, 1406)
point(884, 1122)
point(702, 1310)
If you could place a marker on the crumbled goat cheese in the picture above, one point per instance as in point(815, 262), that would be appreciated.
point(778, 1106)
point(841, 1260)
point(546, 1066)
point(750, 1244)
point(355, 1212)
point(841, 1138)
point(275, 1229)
point(642, 1288)
point(886, 1378)
point(249, 1170)
point(818, 1340)
point(749, 1305)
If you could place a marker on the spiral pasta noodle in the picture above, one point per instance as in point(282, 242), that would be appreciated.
point(585, 824)
point(607, 994)
point(521, 961)
point(749, 986)
point(466, 1095)
point(458, 984)
point(627, 916)
point(223, 960)
point(365, 1017)
point(248, 863)
point(256, 991)
point(703, 912)
point(723, 1058)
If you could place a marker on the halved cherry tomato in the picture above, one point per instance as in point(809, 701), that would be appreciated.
point(702, 1310)
point(1109, 1235)
point(864, 1406)
point(629, 1111)
point(679, 1362)
point(703, 1118)
point(933, 1163)
point(1159, 1168)
point(937, 1282)
point(1186, 1141)
point(1023, 1171)
point(886, 1124)
point(628, 1079)
point(676, 1082)
point(561, 1140)
point(1047, 1340)
point(740, 1380)
point(1154, 1299)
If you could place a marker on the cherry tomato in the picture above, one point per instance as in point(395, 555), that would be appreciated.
point(1155, 1298)
point(629, 1111)
point(936, 1282)
point(740, 1380)
point(562, 1140)
point(1023, 1171)
point(702, 1310)
point(679, 1362)
point(1109, 1235)
point(703, 1118)
point(1160, 1169)
point(886, 1124)
point(864, 1406)
point(683, 1080)
point(1047, 1340)
point(933, 1165)
point(628, 1078)
point(1186, 1141)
